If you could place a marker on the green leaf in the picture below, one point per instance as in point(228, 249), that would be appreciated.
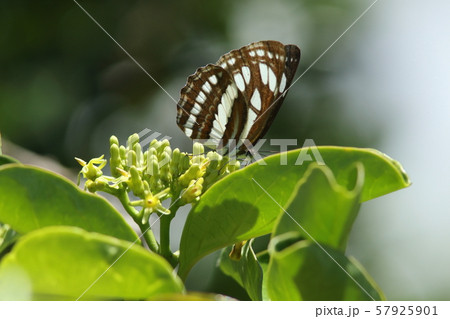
point(4, 159)
point(302, 270)
point(247, 203)
point(322, 210)
point(263, 261)
point(246, 271)
point(66, 263)
point(32, 198)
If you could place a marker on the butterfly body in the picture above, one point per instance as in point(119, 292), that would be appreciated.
point(237, 99)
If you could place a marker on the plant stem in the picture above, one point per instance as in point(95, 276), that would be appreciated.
point(137, 217)
point(149, 237)
point(165, 236)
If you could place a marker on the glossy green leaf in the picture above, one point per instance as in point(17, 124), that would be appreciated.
point(67, 263)
point(247, 203)
point(303, 270)
point(32, 198)
point(5, 159)
point(246, 271)
point(322, 210)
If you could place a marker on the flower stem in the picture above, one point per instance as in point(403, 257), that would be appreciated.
point(165, 235)
point(149, 237)
point(137, 217)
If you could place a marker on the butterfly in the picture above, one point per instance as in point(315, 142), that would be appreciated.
point(236, 99)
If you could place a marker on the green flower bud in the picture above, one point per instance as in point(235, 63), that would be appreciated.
point(146, 187)
point(131, 158)
point(165, 159)
point(155, 183)
point(135, 182)
point(155, 145)
point(193, 172)
point(197, 151)
point(90, 186)
point(139, 155)
point(184, 163)
point(164, 143)
point(168, 151)
point(132, 140)
point(145, 157)
point(101, 184)
point(123, 153)
point(148, 156)
point(113, 140)
point(153, 166)
point(214, 159)
point(192, 192)
point(176, 156)
point(166, 175)
point(115, 161)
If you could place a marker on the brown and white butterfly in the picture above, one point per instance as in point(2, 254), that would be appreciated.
point(237, 98)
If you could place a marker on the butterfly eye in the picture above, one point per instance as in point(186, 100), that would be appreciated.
point(237, 98)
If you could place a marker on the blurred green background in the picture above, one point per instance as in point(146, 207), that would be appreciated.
point(66, 87)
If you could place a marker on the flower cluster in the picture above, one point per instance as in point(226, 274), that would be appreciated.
point(155, 174)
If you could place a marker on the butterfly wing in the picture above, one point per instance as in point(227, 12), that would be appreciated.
point(263, 72)
point(211, 108)
point(238, 98)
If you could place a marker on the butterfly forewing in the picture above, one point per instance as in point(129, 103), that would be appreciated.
point(291, 60)
point(259, 71)
point(251, 85)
